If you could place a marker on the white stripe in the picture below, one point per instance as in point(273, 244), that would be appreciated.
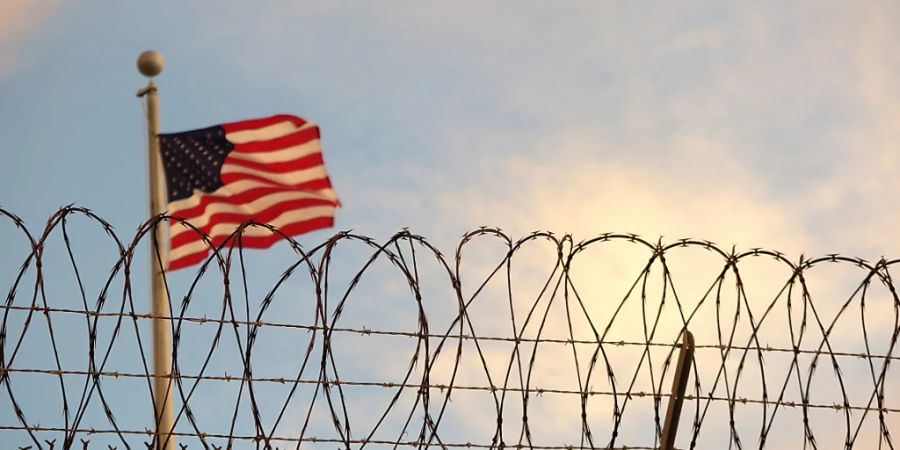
point(286, 178)
point(225, 229)
point(249, 209)
point(227, 190)
point(234, 188)
point(266, 133)
point(285, 154)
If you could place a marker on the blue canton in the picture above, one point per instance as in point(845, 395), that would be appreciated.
point(193, 160)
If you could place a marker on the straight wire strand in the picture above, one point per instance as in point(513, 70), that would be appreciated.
point(750, 374)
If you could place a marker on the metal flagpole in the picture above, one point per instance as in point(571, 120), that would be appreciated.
point(150, 64)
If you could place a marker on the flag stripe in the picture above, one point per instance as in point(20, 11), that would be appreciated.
point(263, 134)
point(252, 236)
point(199, 202)
point(317, 183)
point(225, 222)
point(303, 162)
point(189, 260)
point(279, 155)
point(198, 251)
point(298, 137)
point(259, 210)
point(285, 179)
point(221, 233)
point(238, 189)
point(261, 123)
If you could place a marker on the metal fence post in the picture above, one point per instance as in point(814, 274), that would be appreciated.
point(679, 385)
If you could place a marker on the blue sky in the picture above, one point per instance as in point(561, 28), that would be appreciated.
point(786, 113)
point(769, 124)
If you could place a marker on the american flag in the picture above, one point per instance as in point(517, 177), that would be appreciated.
point(269, 170)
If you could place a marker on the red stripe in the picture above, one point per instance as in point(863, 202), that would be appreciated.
point(262, 122)
point(264, 216)
point(280, 143)
point(188, 260)
point(304, 162)
point(319, 183)
point(291, 229)
point(237, 199)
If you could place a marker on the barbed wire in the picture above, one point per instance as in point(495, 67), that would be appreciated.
point(736, 372)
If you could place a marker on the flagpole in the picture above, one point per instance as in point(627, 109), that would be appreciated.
point(150, 64)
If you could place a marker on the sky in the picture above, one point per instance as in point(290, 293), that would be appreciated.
point(771, 124)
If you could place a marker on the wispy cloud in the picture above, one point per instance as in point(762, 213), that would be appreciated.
point(735, 123)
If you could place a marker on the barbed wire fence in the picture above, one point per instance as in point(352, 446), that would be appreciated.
point(582, 361)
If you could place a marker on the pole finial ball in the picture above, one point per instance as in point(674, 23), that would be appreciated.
point(150, 63)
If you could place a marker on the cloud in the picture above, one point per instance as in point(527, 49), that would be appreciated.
point(698, 190)
point(860, 194)
point(774, 133)
point(19, 21)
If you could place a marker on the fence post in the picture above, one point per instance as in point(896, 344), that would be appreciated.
point(679, 385)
